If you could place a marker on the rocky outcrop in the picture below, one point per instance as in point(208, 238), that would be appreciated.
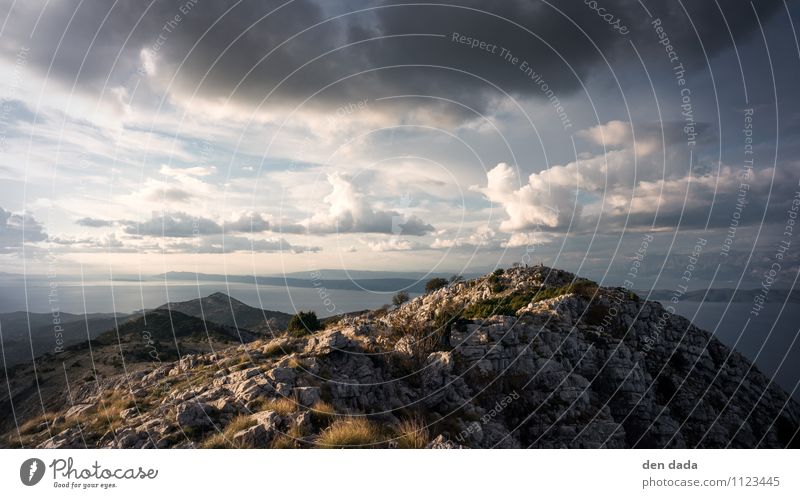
point(525, 358)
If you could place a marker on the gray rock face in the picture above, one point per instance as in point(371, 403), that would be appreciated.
point(307, 396)
point(586, 367)
point(192, 414)
point(253, 437)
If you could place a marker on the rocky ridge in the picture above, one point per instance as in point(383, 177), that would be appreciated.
point(521, 358)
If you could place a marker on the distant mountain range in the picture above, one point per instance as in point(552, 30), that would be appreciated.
point(31, 335)
point(225, 310)
point(383, 284)
point(725, 295)
point(356, 280)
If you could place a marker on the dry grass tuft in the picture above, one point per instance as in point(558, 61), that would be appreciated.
point(322, 413)
point(281, 406)
point(352, 432)
point(223, 439)
point(283, 442)
point(217, 441)
point(412, 434)
point(240, 423)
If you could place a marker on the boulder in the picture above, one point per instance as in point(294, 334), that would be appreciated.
point(283, 375)
point(192, 414)
point(328, 341)
point(269, 419)
point(252, 437)
point(442, 443)
point(307, 396)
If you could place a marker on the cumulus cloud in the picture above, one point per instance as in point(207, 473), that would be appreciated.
point(175, 224)
point(180, 224)
point(218, 244)
point(349, 211)
point(90, 222)
point(628, 185)
point(547, 200)
point(393, 244)
point(17, 229)
point(107, 243)
point(481, 237)
point(248, 223)
point(484, 238)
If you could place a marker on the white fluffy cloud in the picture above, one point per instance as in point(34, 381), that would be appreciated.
point(546, 200)
point(550, 198)
point(349, 211)
point(393, 244)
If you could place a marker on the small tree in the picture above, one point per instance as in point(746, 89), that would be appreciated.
point(456, 279)
point(303, 323)
point(400, 298)
point(435, 284)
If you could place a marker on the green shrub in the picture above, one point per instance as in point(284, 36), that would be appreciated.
point(630, 295)
point(510, 304)
point(303, 323)
point(435, 284)
point(400, 298)
point(505, 305)
point(448, 316)
point(495, 284)
point(581, 287)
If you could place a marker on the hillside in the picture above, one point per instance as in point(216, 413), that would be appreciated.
point(225, 310)
point(522, 358)
point(23, 332)
point(159, 337)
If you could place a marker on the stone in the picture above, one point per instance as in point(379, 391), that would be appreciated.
point(283, 389)
point(405, 346)
point(304, 422)
point(129, 413)
point(282, 375)
point(268, 418)
point(307, 396)
point(78, 410)
point(327, 342)
point(256, 436)
point(191, 414)
point(442, 443)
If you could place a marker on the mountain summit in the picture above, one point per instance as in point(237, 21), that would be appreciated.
point(222, 309)
point(520, 358)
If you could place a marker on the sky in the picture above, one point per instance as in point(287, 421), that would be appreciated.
point(620, 139)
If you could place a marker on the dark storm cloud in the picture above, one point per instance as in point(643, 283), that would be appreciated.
point(561, 54)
